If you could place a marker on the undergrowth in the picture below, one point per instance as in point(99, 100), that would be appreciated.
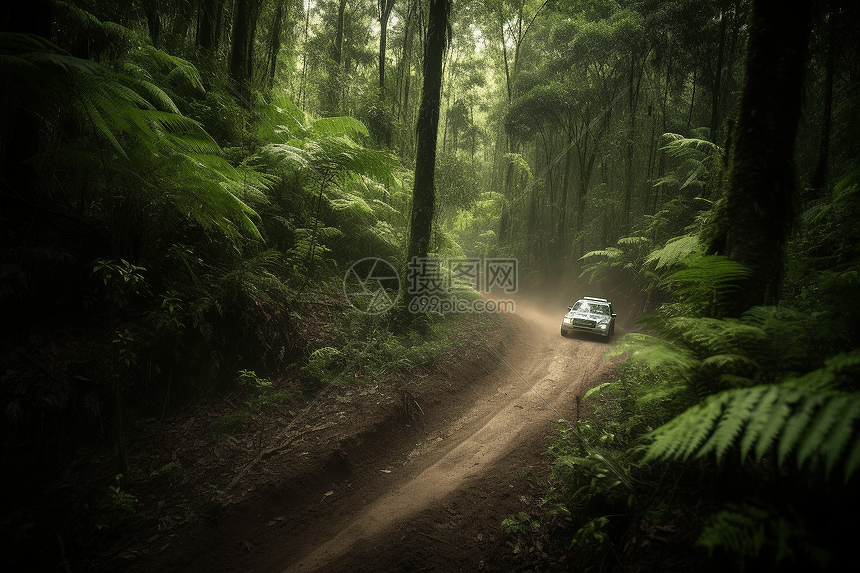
point(733, 441)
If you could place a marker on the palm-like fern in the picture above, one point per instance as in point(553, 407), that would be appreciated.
point(746, 529)
point(700, 159)
point(674, 252)
point(140, 123)
point(804, 419)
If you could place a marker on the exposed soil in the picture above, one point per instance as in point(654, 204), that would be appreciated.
point(402, 474)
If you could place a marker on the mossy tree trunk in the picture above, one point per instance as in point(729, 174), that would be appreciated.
point(761, 186)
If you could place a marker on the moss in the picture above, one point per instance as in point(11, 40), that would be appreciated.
point(228, 425)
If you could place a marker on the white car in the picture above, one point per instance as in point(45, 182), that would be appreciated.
point(589, 314)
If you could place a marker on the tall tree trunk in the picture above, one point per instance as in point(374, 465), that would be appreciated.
point(505, 54)
point(254, 8)
point(385, 8)
point(761, 184)
point(715, 103)
point(819, 176)
point(275, 43)
point(209, 10)
point(302, 83)
point(239, 49)
point(692, 101)
point(338, 35)
point(427, 129)
point(153, 20)
point(561, 229)
point(409, 34)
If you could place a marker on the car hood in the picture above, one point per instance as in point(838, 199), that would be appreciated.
point(586, 315)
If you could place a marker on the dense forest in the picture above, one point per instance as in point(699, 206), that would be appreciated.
point(183, 185)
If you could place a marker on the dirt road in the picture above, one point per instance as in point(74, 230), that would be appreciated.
point(437, 505)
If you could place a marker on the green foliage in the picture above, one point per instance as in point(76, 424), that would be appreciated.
point(118, 505)
point(748, 530)
point(701, 159)
point(163, 157)
point(707, 281)
point(515, 524)
point(674, 252)
point(321, 366)
point(170, 471)
point(121, 280)
point(260, 392)
point(228, 424)
point(801, 416)
point(591, 533)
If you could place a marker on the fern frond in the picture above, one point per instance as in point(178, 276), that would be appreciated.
point(634, 241)
point(151, 92)
point(179, 68)
point(796, 425)
point(682, 436)
point(674, 251)
point(738, 528)
point(339, 126)
point(832, 448)
point(669, 180)
point(679, 146)
point(853, 461)
point(610, 253)
point(710, 336)
point(761, 429)
point(811, 423)
point(819, 428)
point(753, 527)
point(737, 414)
point(720, 272)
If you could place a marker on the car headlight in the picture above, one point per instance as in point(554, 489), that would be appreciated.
point(567, 320)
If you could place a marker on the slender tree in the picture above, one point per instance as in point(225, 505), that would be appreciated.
point(819, 176)
point(385, 8)
point(242, 50)
point(427, 129)
point(208, 23)
point(153, 19)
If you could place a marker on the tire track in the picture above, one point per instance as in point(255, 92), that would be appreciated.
point(544, 375)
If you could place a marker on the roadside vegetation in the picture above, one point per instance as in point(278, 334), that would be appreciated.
point(184, 186)
point(729, 440)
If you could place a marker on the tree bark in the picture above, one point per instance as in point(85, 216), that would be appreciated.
point(761, 185)
point(385, 8)
point(427, 129)
point(275, 43)
point(153, 20)
point(715, 102)
point(819, 176)
point(338, 35)
point(242, 50)
point(208, 21)
point(239, 49)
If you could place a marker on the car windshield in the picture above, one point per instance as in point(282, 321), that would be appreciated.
point(591, 308)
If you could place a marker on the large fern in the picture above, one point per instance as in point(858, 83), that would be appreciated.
point(155, 146)
point(700, 160)
point(804, 419)
point(747, 529)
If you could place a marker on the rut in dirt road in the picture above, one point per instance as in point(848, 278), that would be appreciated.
point(543, 375)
